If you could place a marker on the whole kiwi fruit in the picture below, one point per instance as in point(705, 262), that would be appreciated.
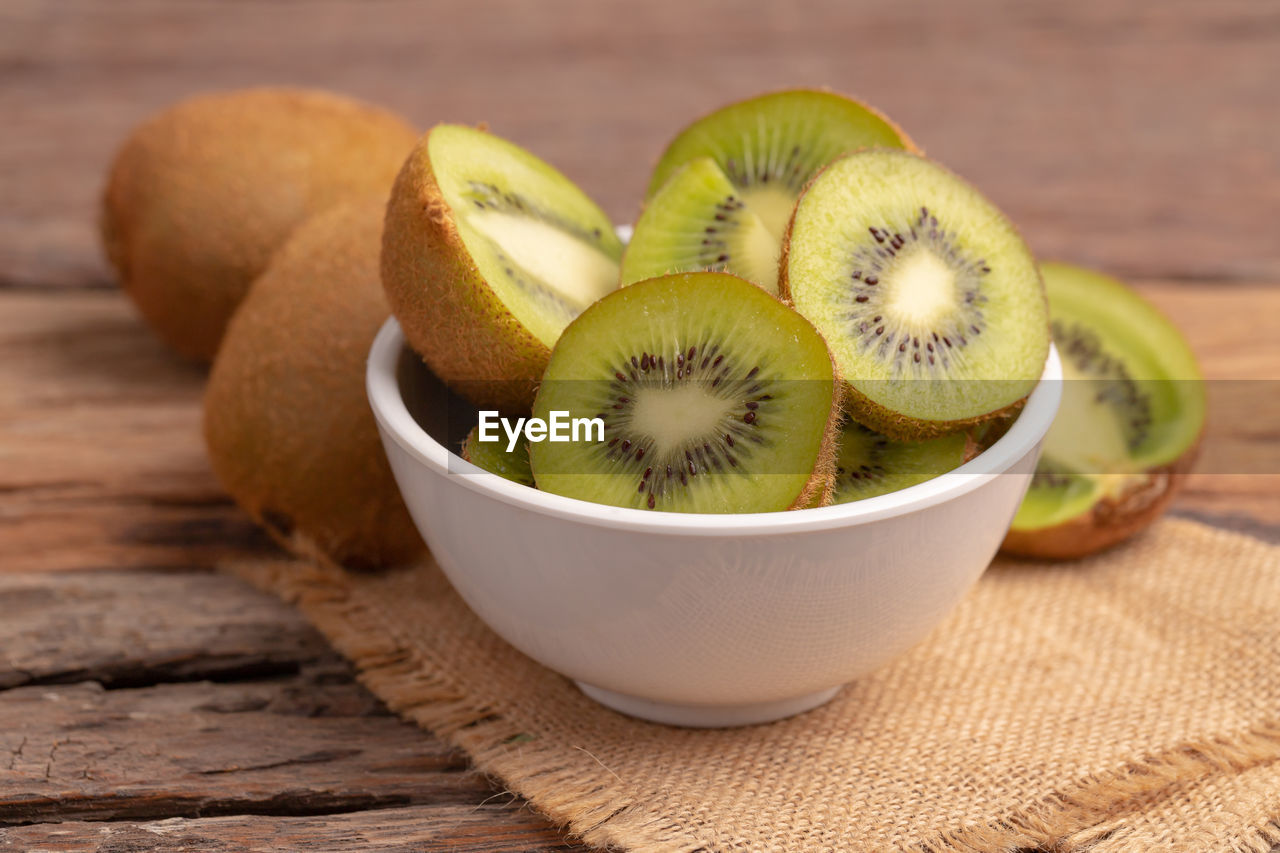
point(288, 427)
point(202, 193)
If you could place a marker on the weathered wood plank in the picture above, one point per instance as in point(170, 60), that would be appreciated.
point(136, 629)
point(101, 457)
point(310, 742)
point(279, 746)
point(488, 828)
point(1137, 137)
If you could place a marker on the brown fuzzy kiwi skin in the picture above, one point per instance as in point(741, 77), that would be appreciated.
point(202, 193)
point(901, 428)
point(288, 427)
point(820, 491)
point(447, 311)
point(858, 406)
point(1110, 521)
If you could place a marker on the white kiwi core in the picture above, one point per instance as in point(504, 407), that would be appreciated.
point(672, 414)
point(578, 272)
point(924, 289)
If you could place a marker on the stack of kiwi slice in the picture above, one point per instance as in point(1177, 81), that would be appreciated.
point(888, 292)
point(809, 311)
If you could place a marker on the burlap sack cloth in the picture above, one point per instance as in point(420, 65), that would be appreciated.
point(1127, 702)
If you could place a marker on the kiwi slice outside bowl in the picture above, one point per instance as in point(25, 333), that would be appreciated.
point(714, 396)
point(1129, 427)
point(929, 298)
point(488, 253)
point(724, 189)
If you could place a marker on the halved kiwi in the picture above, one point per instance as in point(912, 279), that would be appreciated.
point(723, 191)
point(714, 398)
point(870, 464)
point(202, 193)
point(493, 457)
point(930, 300)
point(488, 253)
point(1128, 430)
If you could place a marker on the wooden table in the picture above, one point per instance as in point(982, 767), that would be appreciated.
point(147, 703)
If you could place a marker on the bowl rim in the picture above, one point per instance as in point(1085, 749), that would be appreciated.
point(397, 424)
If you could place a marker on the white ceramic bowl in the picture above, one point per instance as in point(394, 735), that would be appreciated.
point(700, 620)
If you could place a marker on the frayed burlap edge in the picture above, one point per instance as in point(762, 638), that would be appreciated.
point(568, 791)
point(1266, 838)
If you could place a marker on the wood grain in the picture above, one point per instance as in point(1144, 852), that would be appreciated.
point(284, 730)
point(79, 751)
point(486, 828)
point(1137, 137)
point(123, 629)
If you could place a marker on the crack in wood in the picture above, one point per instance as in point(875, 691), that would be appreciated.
point(293, 746)
point(138, 629)
point(405, 829)
point(313, 758)
point(16, 753)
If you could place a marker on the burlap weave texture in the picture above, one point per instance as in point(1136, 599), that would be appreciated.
point(1130, 702)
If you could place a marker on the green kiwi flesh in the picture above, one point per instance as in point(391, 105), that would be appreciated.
point(715, 398)
point(869, 464)
point(930, 300)
point(771, 145)
point(493, 457)
point(488, 253)
point(753, 158)
point(546, 250)
point(697, 222)
point(1132, 412)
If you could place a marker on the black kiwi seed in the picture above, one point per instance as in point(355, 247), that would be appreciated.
point(793, 172)
point(1083, 347)
point(879, 256)
point(543, 293)
point(724, 376)
point(489, 197)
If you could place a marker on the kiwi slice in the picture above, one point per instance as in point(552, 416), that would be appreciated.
point(723, 191)
point(201, 194)
point(714, 398)
point(488, 253)
point(698, 222)
point(930, 300)
point(1128, 430)
point(493, 457)
point(287, 424)
point(870, 464)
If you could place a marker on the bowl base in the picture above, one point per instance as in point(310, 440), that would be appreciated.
point(707, 716)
